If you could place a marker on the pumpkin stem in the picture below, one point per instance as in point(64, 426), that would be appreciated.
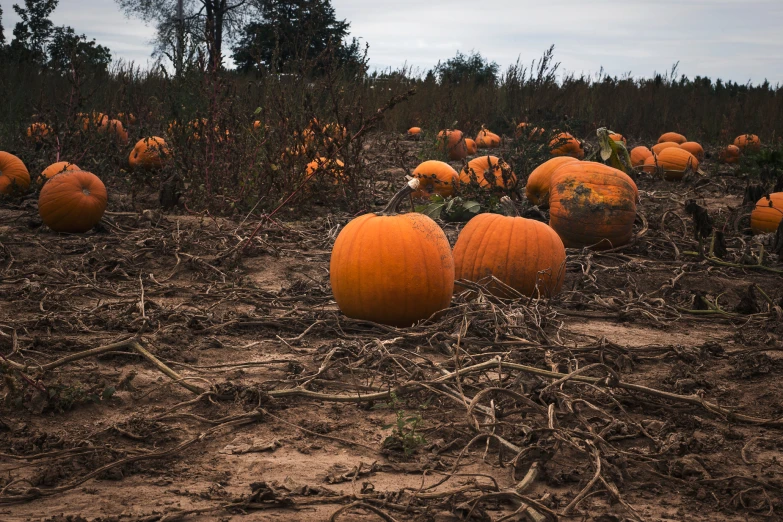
point(508, 207)
point(409, 188)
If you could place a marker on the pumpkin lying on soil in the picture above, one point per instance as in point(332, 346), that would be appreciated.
point(452, 142)
point(471, 145)
point(488, 171)
point(747, 143)
point(73, 201)
point(414, 132)
point(673, 137)
point(115, 129)
point(730, 154)
point(659, 147)
point(392, 269)
point(13, 174)
point(639, 155)
point(564, 144)
point(487, 140)
point(54, 169)
point(537, 188)
point(435, 177)
point(149, 153)
point(694, 148)
point(674, 162)
point(767, 213)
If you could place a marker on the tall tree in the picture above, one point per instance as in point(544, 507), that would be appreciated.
point(67, 49)
point(467, 68)
point(2, 31)
point(32, 32)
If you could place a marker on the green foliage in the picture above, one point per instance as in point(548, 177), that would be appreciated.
point(472, 69)
point(404, 436)
point(2, 30)
point(67, 49)
point(612, 152)
point(31, 33)
point(450, 209)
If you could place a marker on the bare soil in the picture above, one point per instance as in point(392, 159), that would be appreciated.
point(277, 423)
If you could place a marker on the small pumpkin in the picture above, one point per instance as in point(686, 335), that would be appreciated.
point(127, 119)
point(674, 162)
point(38, 131)
point(54, 169)
point(73, 201)
point(394, 269)
point(13, 174)
point(639, 154)
point(488, 171)
point(618, 137)
point(694, 148)
point(564, 144)
point(149, 153)
point(673, 137)
point(487, 140)
point(414, 132)
point(747, 143)
point(537, 188)
point(524, 254)
point(333, 168)
point(767, 213)
point(115, 129)
point(730, 154)
point(471, 145)
point(96, 119)
point(452, 142)
point(435, 177)
point(651, 164)
point(659, 147)
point(592, 204)
point(532, 133)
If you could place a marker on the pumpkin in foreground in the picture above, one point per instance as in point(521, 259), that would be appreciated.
point(435, 177)
point(524, 254)
point(767, 214)
point(54, 169)
point(13, 174)
point(73, 201)
point(392, 269)
point(592, 204)
point(149, 153)
point(488, 171)
point(537, 188)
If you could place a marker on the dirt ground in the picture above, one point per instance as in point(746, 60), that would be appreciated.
point(277, 407)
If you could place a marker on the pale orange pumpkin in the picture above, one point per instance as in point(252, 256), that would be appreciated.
point(54, 169)
point(747, 143)
point(564, 144)
point(694, 148)
point(149, 153)
point(435, 177)
point(452, 142)
point(537, 188)
point(767, 214)
point(74, 201)
point(730, 154)
point(488, 171)
point(673, 137)
point(658, 147)
point(639, 155)
point(13, 174)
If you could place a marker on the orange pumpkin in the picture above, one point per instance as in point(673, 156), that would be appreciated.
point(13, 174)
point(673, 137)
point(149, 153)
point(488, 171)
point(651, 164)
point(471, 145)
point(657, 148)
point(115, 129)
point(487, 140)
point(694, 148)
point(730, 154)
point(537, 188)
point(524, 254)
point(258, 125)
point(38, 131)
point(74, 202)
point(563, 144)
point(533, 132)
point(674, 162)
point(128, 119)
point(333, 168)
point(414, 132)
point(54, 169)
point(520, 130)
point(435, 177)
point(639, 154)
point(767, 214)
point(617, 137)
point(392, 269)
point(592, 204)
point(748, 143)
point(453, 143)
point(96, 119)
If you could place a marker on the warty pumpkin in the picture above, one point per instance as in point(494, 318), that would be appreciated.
point(767, 213)
point(452, 142)
point(659, 147)
point(694, 148)
point(524, 254)
point(674, 162)
point(149, 153)
point(488, 171)
point(487, 140)
point(471, 145)
point(673, 137)
point(392, 269)
point(435, 177)
point(13, 174)
point(639, 154)
point(730, 154)
point(73, 201)
point(747, 143)
point(564, 144)
point(54, 169)
point(537, 188)
point(592, 204)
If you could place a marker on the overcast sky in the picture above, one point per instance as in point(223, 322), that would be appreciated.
point(729, 39)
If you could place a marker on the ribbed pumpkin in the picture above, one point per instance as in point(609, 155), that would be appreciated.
point(537, 188)
point(333, 169)
point(639, 154)
point(487, 140)
point(392, 269)
point(435, 177)
point(592, 204)
point(525, 254)
point(453, 143)
point(674, 161)
point(149, 153)
point(73, 201)
point(115, 129)
point(747, 142)
point(38, 131)
point(487, 169)
point(471, 145)
point(659, 147)
point(650, 164)
point(694, 148)
point(414, 132)
point(617, 137)
point(673, 137)
point(730, 154)
point(54, 169)
point(767, 214)
point(13, 174)
point(564, 144)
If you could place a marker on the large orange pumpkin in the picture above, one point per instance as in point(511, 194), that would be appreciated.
point(767, 214)
point(672, 136)
point(694, 148)
point(525, 254)
point(149, 153)
point(658, 147)
point(73, 201)
point(748, 142)
point(54, 169)
point(488, 171)
point(392, 269)
point(38, 131)
point(564, 144)
point(435, 177)
point(487, 140)
point(592, 204)
point(471, 145)
point(537, 188)
point(639, 154)
point(730, 154)
point(115, 129)
point(13, 174)
point(674, 162)
point(453, 143)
